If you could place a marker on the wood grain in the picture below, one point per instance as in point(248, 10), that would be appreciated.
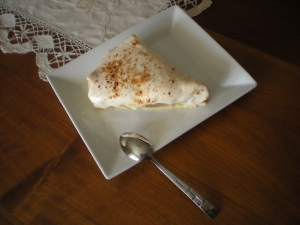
point(244, 159)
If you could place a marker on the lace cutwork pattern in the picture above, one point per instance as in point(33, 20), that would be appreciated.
point(22, 33)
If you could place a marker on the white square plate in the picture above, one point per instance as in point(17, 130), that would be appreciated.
point(177, 38)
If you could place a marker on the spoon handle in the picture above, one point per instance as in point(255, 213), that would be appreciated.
point(200, 201)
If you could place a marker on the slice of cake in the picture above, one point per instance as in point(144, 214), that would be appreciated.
point(133, 76)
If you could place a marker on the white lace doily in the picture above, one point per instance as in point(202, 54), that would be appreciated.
point(59, 31)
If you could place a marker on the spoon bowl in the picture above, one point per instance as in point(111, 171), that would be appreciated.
point(136, 146)
point(139, 148)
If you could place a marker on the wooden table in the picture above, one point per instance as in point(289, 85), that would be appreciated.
point(245, 159)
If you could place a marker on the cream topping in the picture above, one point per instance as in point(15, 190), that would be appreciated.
point(132, 75)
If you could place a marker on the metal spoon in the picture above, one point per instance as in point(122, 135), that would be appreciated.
point(139, 148)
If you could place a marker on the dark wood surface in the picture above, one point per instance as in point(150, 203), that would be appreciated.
point(244, 159)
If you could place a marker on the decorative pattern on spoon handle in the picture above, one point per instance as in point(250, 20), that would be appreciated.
point(200, 201)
